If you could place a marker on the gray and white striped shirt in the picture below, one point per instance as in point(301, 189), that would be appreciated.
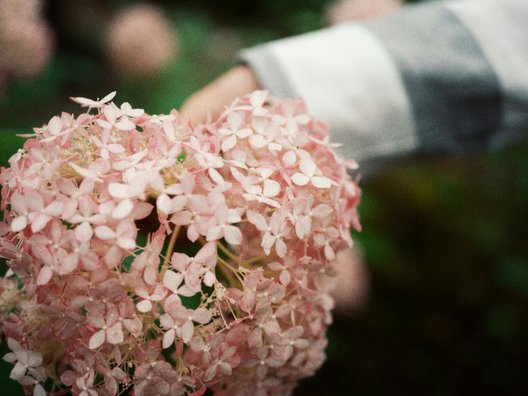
point(435, 77)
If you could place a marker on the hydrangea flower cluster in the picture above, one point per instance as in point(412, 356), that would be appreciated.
point(150, 257)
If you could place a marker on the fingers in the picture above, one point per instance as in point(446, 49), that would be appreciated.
point(213, 98)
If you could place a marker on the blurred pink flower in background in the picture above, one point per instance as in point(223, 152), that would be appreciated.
point(26, 41)
point(22, 9)
point(141, 41)
point(352, 285)
point(355, 10)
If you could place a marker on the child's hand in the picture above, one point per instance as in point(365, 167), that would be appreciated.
point(214, 97)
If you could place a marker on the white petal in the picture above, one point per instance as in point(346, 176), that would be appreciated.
point(126, 243)
point(271, 188)
point(257, 98)
point(229, 143)
point(97, 339)
point(214, 233)
point(284, 278)
point(202, 315)
point(307, 165)
point(329, 252)
point(84, 232)
point(234, 120)
point(40, 222)
point(244, 133)
point(257, 141)
point(233, 216)
point(123, 209)
point(233, 235)
point(39, 390)
point(144, 306)
point(18, 371)
point(172, 280)
point(257, 220)
point(168, 338)
point(54, 209)
point(115, 148)
point(108, 97)
point(209, 279)
point(215, 176)
point(275, 146)
point(84, 172)
point(321, 182)
point(118, 190)
point(55, 125)
point(280, 248)
point(44, 276)
point(321, 211)
point(265, 172)
point(300, 179)
point(164, 204)
point(104, 232)
point(187, 331)
point(19, 223)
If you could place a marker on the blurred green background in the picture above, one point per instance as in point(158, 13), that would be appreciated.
point(444, 239)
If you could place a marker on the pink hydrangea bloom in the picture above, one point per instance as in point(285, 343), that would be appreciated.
point(150, 256)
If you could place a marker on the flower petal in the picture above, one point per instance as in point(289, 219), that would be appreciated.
point(118, 190)
point(321, 182)
point(233, 235)
point(257, 141)
point(114, 334)
point(84, 232)
point(300, 179)
point(97, 339)
point(271, 188)
point(19, 223)
point(187, 331)
point(168, 338)
point(40, 221)
point(144, 306)
point(164, 204)
point(104, 232)
point(123, 209)
point(172, 280)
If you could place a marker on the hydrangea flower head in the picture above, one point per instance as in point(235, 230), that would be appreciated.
point(151, 257)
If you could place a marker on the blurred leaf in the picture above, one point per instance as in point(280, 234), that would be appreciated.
point(512, 273)
point(9, 143)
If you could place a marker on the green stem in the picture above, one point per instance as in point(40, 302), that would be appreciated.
point(228, 252)
point(230, 273)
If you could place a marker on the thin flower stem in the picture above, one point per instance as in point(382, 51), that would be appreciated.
point(253, 260)
point(233, 269)
point(170, 249)
point(222, 314)
point(229, 275)
point(228, 252)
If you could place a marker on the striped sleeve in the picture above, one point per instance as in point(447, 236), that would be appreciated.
point(438, 77)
